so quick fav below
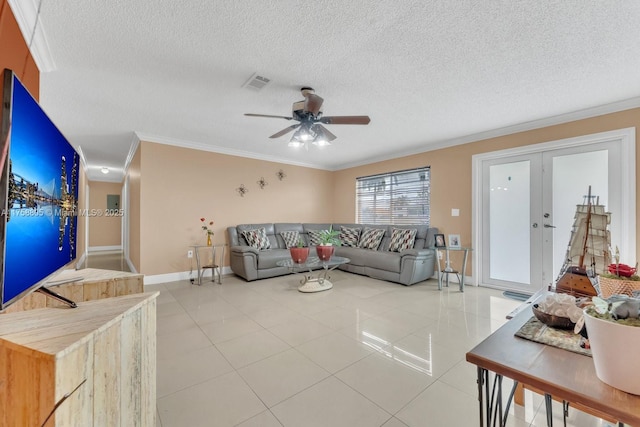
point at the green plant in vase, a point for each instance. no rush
(328, 239)
(299, 253)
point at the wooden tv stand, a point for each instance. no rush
(93, 284)
(101, 354)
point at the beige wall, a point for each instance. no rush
(451, 170)
(81, 227)
(105, 229)
(133, 208)
(179, 186)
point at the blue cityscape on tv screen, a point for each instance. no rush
(42, 198)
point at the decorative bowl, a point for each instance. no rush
(552, 320)
(623, 270)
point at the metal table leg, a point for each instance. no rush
(490, 403)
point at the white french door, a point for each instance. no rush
(525, 200)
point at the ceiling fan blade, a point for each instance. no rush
(267, 115)
(325, 132)
(345, 120)
(284, 131)
(313, 103)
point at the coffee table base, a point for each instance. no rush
(316, 286)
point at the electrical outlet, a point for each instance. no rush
(189, 254)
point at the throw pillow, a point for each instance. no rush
(402, 239)
(290, 238)
(371, 238)
(257, 238)
(349, 236)
(314, 237)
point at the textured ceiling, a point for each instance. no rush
(428, 73)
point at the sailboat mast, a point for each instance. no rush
(588, 227)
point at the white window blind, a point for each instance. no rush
(398, 198)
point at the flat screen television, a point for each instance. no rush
(39, 192)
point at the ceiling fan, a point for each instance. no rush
(310, 129)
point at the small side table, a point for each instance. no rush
(215, 265)
(450, 270)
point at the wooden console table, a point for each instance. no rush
(556, 373)
(94, 364)
(94, 284)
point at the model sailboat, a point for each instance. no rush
(588, 251)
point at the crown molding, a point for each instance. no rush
(221, 150)
(26, 13)
(586, 113)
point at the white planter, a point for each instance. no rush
(615, 350)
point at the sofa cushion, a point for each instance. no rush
(349, 236)
(314, 237)
(290, 238)
(257, 238)
(371, 238)
(402, 239)
(270, 258)
(359, 257)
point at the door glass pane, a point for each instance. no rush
(572, 176)
(509, 213)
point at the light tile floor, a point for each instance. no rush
(365, 353)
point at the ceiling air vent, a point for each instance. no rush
(256, 82)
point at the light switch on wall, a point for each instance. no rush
(455, 212)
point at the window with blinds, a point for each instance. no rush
(398, 198)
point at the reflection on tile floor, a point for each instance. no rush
(107, 260)
(365, 353)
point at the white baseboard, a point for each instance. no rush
(176, 277)
(105, 249)
(81, 261)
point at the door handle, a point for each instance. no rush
(549, 226)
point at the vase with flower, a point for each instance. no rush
(207, 228)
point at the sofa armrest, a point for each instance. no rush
(418, 253)
(244, 249)
(244, 261)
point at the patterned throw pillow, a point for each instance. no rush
(402, 239)
(314, 237)
(257, 238)
(371, 238)
(290, 238)
(349, 236)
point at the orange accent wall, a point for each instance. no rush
(14, 53)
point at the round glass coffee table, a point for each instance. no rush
(314, 281)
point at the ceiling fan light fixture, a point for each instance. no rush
(295, 144)
(304, 134)
(319, 142)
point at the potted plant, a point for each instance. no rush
(613, 328)
(621, 279)
(299, 254)
(328, 239)
(207, 229)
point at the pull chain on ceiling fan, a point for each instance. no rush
(310, 129)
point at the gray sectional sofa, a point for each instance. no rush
(407, 267)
